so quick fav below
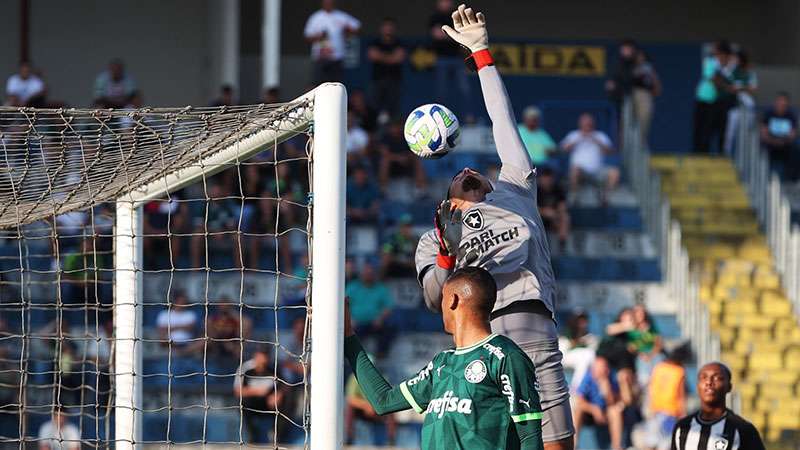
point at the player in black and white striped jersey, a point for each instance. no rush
(715, 427)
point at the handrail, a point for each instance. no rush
(771, 203)
(683, 284)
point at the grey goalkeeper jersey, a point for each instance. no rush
(504, 233)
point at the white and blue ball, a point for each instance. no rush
(432, 130)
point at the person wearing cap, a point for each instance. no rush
(397, 258)
(536, 139)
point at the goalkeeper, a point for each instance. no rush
(480, 395)
(499, 228)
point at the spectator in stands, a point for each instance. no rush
(69, 367)
(357, 138)
(25, 88)
(646, 341)
(271, 95)
(255, 384)
(646, 87)
(617, 349)
(357, 407)
(744, 85)
(620, 85)
(58, 433)
(80, 288)
(552, 202)
(214, 224)
(397, 162)
(667, 398)
(397, 256)
(387, 55)
(710, 110)
(177, 326)
(114, 86)
(578, 346)
(587, 148)
(363, 198)
(225, 97)
(163, 218)
(779, 135)
(537, 141)
(327, 30)
(449, 68)
(597, 402)
(10, 376)
(367, 115)
(228, 329)
(371, 304)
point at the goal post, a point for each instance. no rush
(327, 287)
(163, 151)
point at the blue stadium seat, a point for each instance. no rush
(611, 218)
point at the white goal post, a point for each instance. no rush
(324, 112)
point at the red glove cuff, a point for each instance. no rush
(445, 262)
(482, 58)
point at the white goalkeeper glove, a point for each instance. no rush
(470, 29)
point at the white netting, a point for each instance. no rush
(225, 276)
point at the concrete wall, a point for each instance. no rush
(9, 36)
(166, 46)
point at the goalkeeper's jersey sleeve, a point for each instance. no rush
(476, 398)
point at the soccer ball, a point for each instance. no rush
(432, 131)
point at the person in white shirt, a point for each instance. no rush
(113, 87)
(588, 147)
(327, 30)
(177, 325)
(25, 88)
(59, 434)
(357, 138)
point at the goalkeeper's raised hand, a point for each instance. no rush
(448, 231)
(470, 29)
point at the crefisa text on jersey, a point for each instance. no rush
(488, 239)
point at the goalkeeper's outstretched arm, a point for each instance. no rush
(470, 31)
(509, 145)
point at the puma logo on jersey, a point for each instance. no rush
(449, 403)
(487, 240)
(527, 403)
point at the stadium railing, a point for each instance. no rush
(771, 201)
(681, 281)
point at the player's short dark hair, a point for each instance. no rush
(481, 283)
(725, 369)
(784, 94)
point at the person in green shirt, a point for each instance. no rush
(537, 141)
(479, 395)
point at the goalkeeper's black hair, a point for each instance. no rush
(481, 284)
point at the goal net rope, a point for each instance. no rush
(223, 298)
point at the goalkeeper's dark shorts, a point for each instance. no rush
(533, 329)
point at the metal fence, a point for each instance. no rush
(771, 201)
(681, 281)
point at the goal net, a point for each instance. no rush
(156, 280)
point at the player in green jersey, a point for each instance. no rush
(480, 395)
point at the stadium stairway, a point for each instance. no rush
(759, 335)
